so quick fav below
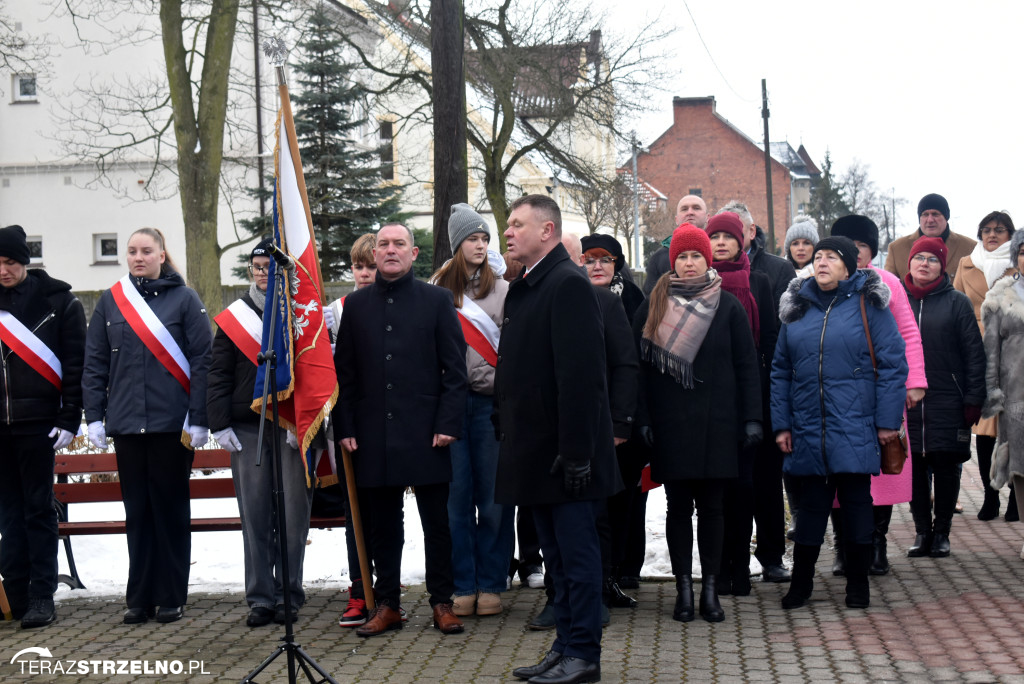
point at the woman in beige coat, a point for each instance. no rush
(976, 275)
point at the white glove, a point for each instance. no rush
(63, 438)
(97, 434)
(496, 262)
(228, 440)
(199, 435)
(329, 317)
(292, 440)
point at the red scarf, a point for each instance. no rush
(736, 281)
(917, 291)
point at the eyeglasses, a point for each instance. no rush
(922, 259)
(259, 269)
(998, 230)
(605, 260)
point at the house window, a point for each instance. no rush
(387, 150)
(695, 192)
(24, 87)
(104, 248)
(35, 249)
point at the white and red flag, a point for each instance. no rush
(307, 386)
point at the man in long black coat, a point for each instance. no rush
(554, 424)
(401, 362)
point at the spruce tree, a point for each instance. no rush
(827, 199)
(344, 182)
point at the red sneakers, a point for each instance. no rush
(355, 613)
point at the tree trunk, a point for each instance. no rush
(199, 133)
(451, 184)
(494, 186)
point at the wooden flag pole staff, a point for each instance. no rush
(357, 528)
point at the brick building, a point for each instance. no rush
(703, 154)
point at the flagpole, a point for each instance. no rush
(357, 528)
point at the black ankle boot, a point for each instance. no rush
(858, 591)
(710, 608)
(684, 599)
(922, 545)
(616, 597)
(989, 509)
(802, 583)
(1012, 514)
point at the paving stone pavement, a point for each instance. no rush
(954, 619)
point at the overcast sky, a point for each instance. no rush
(928, 94)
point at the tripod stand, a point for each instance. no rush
(296, 656)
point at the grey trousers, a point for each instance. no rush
(254, 486)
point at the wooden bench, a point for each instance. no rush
(221, 486)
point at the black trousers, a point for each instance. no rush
(769, 507)
(636, 536)
(568, 538)
(738, 511)
(529, 546)
(681, 495)
(154, 470)
(28, 520)
(945, 469)
(383, 525)
(632, 458)
(816, 496)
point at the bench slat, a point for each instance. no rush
(78, 464)
(95, 492)
(198, 525)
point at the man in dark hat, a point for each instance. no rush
(933, 217)
(235, 426)
(42, 343)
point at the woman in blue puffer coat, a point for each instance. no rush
(829, 411)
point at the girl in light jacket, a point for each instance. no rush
(482, 531)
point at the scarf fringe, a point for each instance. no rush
(678, 369)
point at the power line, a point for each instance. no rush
(715, 64)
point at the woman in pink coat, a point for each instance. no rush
(886, 490)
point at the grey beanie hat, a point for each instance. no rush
(801, 229)
(1015, 242)
(462, 223)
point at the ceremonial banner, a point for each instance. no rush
(307, 386)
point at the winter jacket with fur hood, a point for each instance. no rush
(955, 363)
(823, 386)
(1003, 317)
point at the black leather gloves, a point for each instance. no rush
(575, 475)
(752, 434)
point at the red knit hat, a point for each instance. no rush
(689, 237)
(933, 245)
(726, 222)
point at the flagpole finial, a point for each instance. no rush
(277, 53)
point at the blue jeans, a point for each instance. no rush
(483, 534)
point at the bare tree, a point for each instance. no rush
(173, 125)
(863, 197)
(20, 52)
(542, 75)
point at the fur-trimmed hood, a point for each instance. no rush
(1002, 297)
(802, 293)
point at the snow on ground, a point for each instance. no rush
(217, 563)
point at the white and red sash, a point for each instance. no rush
(30, 348)
(480, 331)
(151, 330)
(243, 326)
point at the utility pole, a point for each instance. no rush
(768, 168)
(259, 104)
(451, 184)
(636, 208)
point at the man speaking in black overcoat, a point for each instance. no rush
(554, 424)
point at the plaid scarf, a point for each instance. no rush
(682, 329)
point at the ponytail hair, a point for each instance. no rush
(168, 266)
